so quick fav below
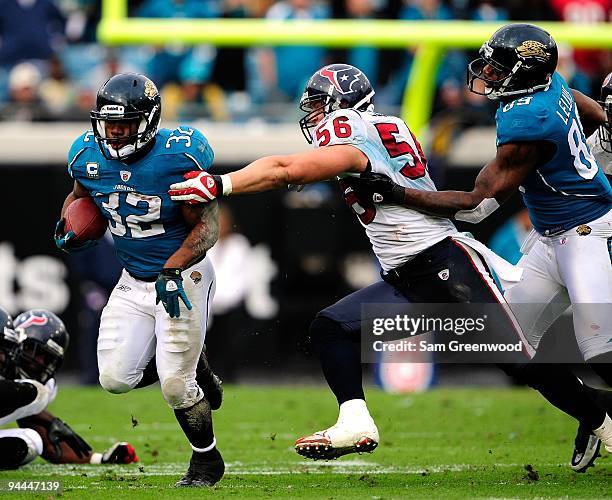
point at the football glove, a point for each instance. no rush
(198, 187)
(59, 431)
(379, 188)
(66, 242)
(169, 287)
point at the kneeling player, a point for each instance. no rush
(31, 351)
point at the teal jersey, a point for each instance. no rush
(147, 226)
(570, 189)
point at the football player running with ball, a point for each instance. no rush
(414, 249)
(125, 164)
(542, 152)
(32, 349)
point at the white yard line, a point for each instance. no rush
(240, 469)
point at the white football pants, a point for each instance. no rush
(575, 268)
(133, 328)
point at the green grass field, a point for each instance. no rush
(447, 443)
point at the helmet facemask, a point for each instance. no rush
(605, 129)
(9, 351)
(501, 82)
(39, 361)
(316, 107)
(134, 141)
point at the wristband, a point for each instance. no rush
(226, 183)
(96, 458)
(171, 272)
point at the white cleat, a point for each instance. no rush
(604, 432)
(338, 440)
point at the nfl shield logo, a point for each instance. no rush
(125, 175)
(444, 274)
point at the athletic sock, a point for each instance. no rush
(562, 389)
(602, 365)
(340, 359)
(601, 396)
(196, 422)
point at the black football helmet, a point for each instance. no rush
(44, 341)
(605, 100)
(333, 87)
(519, 59)
(126, 97)
(9, 345)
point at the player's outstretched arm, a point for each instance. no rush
(591, 113)
(204, 219)
(271, 172)
(61, 445)
(494, 185)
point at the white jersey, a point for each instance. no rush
(396, 233)
(604, 158)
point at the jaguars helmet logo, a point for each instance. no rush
(532, 48)
(196, 277)
(150, 90)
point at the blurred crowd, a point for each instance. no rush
(51, 65)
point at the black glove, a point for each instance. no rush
(378, 188)
(59, 431)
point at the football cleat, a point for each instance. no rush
(205, 469)
(337, 441)
(586, 449)
(211, 384)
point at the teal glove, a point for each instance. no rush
(169, 287)
(66, 242)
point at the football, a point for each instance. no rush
(85, 219)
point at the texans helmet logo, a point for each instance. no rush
(34, 320)
(342, 79)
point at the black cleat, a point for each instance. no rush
(205, 470)
(586, 449)
(211, 384)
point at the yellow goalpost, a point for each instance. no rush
(430, 39)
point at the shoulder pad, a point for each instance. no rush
(190, 143)
(83, 142)
(523, 119)
(344, 126)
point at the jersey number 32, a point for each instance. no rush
(135, 225)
